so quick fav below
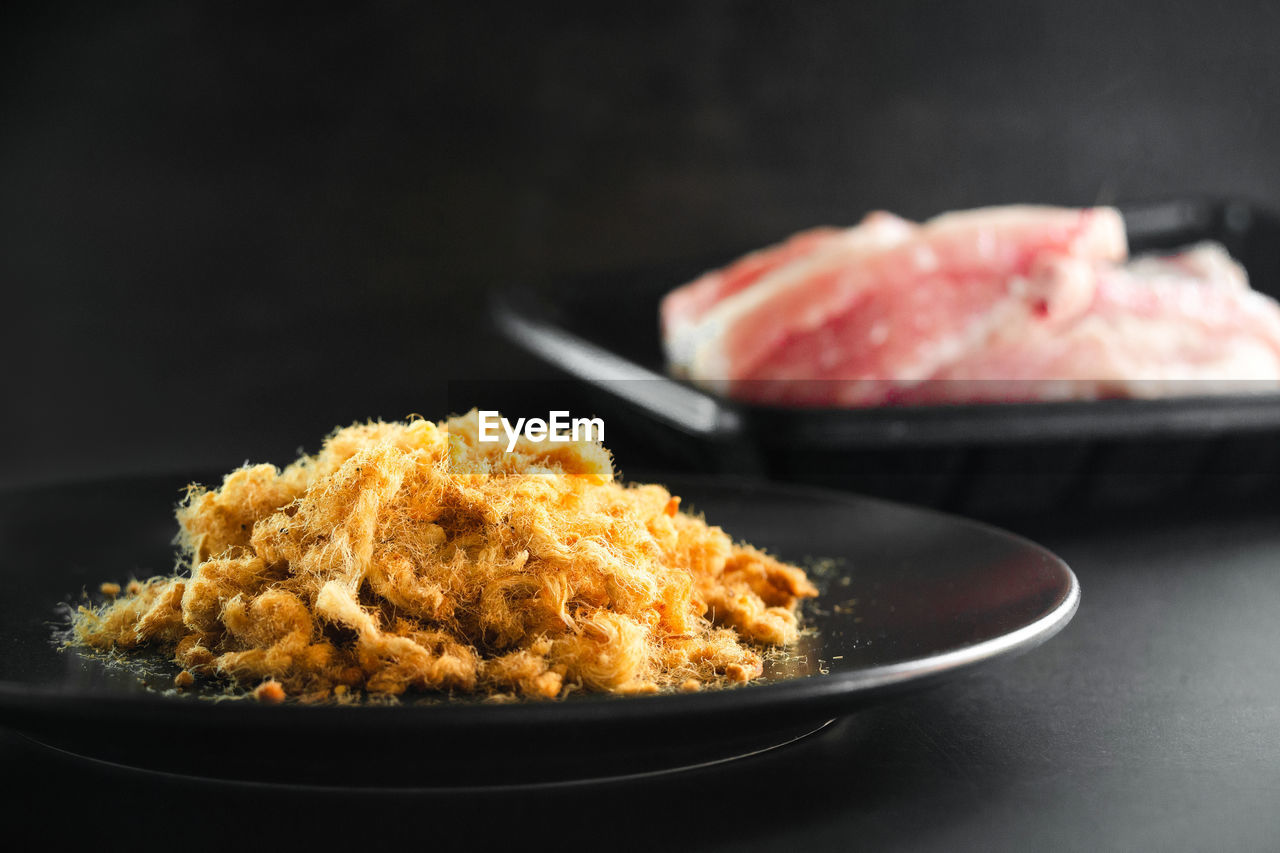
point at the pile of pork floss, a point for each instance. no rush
(411, 557)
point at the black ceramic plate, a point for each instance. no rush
(909, 596)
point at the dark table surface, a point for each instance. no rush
(1149, 723)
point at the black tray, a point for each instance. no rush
(985, 459)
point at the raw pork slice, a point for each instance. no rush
(687, 313)
(1038, 298)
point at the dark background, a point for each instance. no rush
(224, 230)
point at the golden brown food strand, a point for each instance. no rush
(412, 557)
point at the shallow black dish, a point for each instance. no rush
(911, 596)
(985, 459)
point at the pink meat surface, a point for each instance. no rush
(1158, 326)
(993, 304)
(684, 307)
(689, 313)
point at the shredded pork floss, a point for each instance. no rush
(411, 557)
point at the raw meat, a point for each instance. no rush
(992, 304)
